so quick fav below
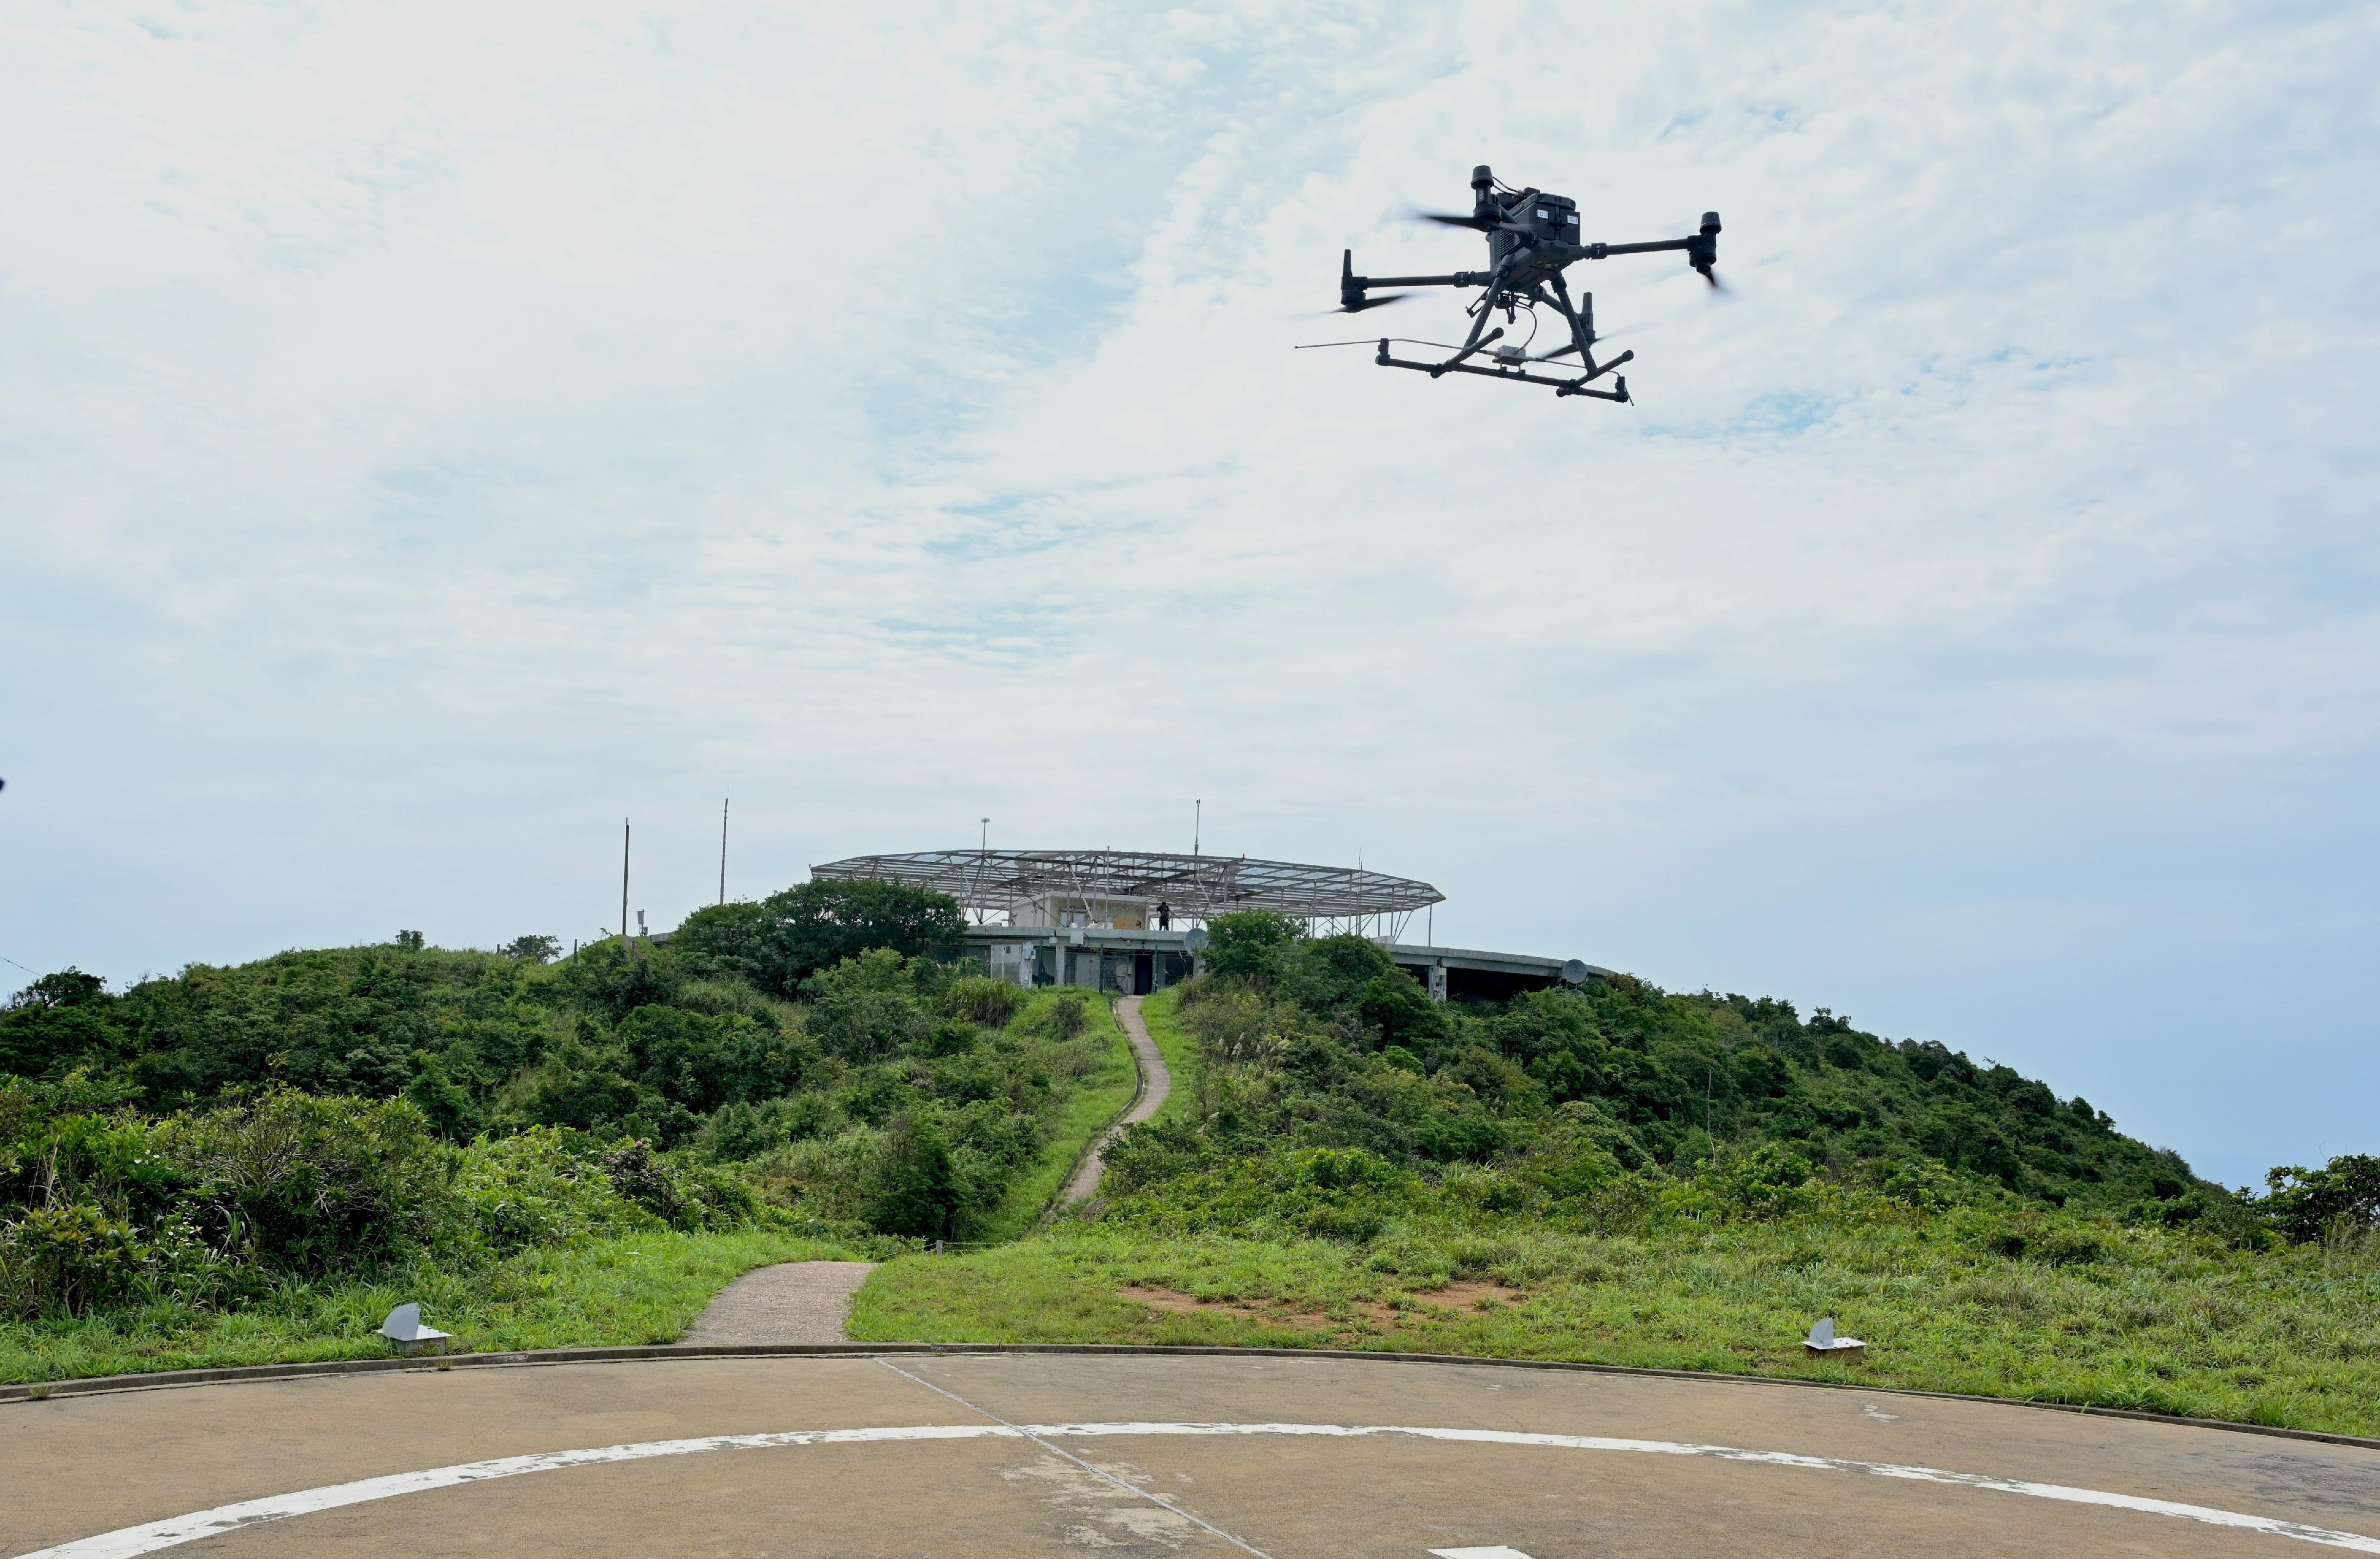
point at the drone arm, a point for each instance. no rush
(1460, 279)
(1701, 249)
(1601, 251)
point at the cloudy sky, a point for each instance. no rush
(432, 433)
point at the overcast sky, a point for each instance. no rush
(432, 433)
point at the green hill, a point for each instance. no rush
(236, 1164)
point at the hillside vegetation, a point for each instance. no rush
(231, 1165)
(1636, 1177)
(239, 1151)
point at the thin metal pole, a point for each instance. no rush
(722, 849)
(624, 885)
(1197, 822)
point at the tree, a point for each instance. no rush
(1396, 1005)
(1334, 973)
(537, 949)
(912, 1186)
(1249, 944)
(789, 936)
(2308, 1203)
(57, 1021)
(411, 941)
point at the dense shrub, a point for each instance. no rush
(2306, 1205)
(1329, 1193)
(213, 1136)
(68, 1257)
(542, 1187)
(986, 1002)
(294, 1183)
(913, 1186)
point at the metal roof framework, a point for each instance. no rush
(1330, 900)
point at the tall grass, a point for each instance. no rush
(638, 1288)
(2153, 1321)
(1099, 1095)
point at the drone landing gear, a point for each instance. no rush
(1561, 387)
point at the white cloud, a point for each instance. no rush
(435, 429)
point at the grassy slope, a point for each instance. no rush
(2163, 1323)
(1161, 1014)
(639, 1288)
(1095, 1100)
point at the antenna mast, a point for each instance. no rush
(624, 885)
(722, 849)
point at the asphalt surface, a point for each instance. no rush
(1156, 1085)
(990, 1455)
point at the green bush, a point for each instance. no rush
(1329, 1193)
(292, 1183)
(2308, 1204)
(986, 1002)
(1250, 945)
(913, 1186)
(67, 1259)
(542, 1187)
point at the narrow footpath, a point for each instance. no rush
(811, 1301)
(1156, 1083)
(791, 1302)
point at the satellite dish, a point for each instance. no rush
(1194, 939)
(1575, 972)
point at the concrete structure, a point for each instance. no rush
(1132, 922)
(1000, 1455)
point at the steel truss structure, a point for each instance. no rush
(1330, 900)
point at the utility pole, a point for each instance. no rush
(624, 885)
(722, 849)
(982, 871)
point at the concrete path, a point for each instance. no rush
(793, 1302)
(1156, 1083)
(1124, 1456)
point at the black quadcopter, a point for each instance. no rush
(1531, 236)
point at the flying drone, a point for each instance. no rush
(1532, 239)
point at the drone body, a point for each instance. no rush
(1532, 239)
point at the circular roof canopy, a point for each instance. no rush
(1195, 887)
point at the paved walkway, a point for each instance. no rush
(1156, 1083)
(793, 1302)
(1134, 1456)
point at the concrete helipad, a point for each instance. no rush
(1119, 1455)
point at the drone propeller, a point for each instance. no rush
(1371, 300)
(1453, 219)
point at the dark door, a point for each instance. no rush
(1144, 973)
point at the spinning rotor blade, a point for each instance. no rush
(1370, 302)
(1452, 219)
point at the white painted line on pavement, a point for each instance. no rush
(1133, 1489)
(128, 1543)
(1499, 1551)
